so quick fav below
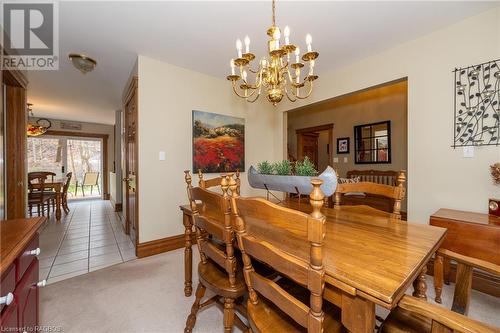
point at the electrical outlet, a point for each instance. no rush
(162, 156)
(335, 160)
(468, 152)
(345, 159)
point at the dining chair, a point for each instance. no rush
(64, 194)
(217, 270)
(274, 235)
(396, 193)
(416, 315)
(38, 194)
(89, 179)
(214, 182)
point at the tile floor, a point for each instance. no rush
(89, 238)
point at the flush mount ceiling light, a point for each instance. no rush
(82, 62)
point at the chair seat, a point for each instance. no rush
(35, 198)
(214, 278)
(266, 317)
(400, 321)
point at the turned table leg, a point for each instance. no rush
(438, 277)
(188, 256)
(58, 205)
(420, 286)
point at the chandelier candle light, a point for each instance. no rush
(279, 73)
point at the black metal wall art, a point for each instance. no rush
(477, 105)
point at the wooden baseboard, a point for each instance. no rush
(481, 281)
(118, 207)
(159, 246)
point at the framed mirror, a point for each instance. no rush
(372, 143)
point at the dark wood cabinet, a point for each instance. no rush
(19, 274)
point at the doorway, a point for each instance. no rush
(62, 154)
(315, 144)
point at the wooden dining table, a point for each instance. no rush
(369, 258)
(57, 186)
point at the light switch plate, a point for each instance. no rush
(335, 160)
(162, 156)
(345, 159)
(468, 152)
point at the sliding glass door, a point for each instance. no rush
(81, 156)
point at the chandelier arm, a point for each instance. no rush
(253, 100)
(293, 100)
(237, 94)
(308, 93)
(254, 90)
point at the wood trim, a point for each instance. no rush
(118, 207)
(160, 245)
(481, 281)
(104, 137)
(15, 78)
(315, 128)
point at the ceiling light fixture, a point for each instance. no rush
(279, 72)
(82, 62)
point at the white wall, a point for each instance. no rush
(167, 96)
(438, 175)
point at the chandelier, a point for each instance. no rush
(41, 126)
(278, 73)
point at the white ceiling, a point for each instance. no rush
(201, 36)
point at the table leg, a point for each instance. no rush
(438, 277)
(446, 270)
(420, 286)
(188, 256)
(358, 314)
(58, 205)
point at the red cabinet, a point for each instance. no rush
(21, 279)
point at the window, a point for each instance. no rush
(372, 143)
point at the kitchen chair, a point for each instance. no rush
(89, 179)
(294, 303)
(217, 269)
(38, 195)
(64, 194)
(416, 315)
(396, 193)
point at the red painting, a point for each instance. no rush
(218, 143)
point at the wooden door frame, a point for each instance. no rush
(303, 131)
(15, 122)
(131, 92)
(104, 138)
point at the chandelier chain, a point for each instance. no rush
(274, 13)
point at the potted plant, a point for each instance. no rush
(278, 177)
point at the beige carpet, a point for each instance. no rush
(147, 295)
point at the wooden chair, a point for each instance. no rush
(64, 194)
(285, 305)
(217, 269)
(89, 179)
(38, 195)
(416, 315)
(213, 182)
(45, 174)
(396, 193)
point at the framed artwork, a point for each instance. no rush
(343, 145)
(218, 143)
(372, 143)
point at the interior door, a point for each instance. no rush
(309, 147)
(130, 179)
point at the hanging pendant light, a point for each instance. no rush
(40, 127)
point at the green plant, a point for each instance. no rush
(305, 168)
(265, 168)
(283, 168)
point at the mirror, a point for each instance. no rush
(372, 143)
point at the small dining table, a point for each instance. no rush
(57, 186)
(369, 257)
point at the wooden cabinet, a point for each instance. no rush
(19, 274)
(474, 235)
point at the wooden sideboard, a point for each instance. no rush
(472, 234)
(19, 274)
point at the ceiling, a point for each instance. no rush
(201, 36)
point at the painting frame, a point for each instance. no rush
(343, 145)
(218, 142)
